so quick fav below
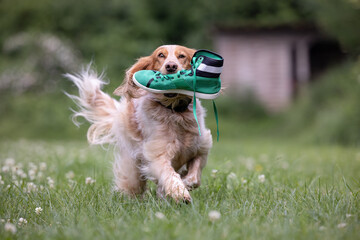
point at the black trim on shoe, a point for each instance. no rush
(212, 62)
(207, 74)
(149, 82)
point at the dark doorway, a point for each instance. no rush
(324, 54)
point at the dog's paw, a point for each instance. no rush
(191, 182)
(178, 192)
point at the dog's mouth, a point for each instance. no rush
(175, 102)
(182, 105)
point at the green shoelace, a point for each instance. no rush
(181, 72)
(214, 106)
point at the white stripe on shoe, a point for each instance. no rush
(210, 69)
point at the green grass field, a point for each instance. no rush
(309, 192)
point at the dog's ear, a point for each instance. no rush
(128, 87)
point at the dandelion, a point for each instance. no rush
(258, 168)
(214, 173)
(22, 221)
(341, 225)
(160, 215)
(9, 227)
(38, 210)
(261, 178)
(70, 175)
(89, 181)
(214, 216)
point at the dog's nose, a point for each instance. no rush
(171, 67)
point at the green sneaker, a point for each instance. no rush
(203, 79)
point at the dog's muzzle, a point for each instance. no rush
(182, 105)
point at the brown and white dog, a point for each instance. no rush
(155, 135)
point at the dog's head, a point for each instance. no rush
(166, 59)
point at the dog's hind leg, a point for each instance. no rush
(127, 175)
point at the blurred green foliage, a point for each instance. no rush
(114, 33)
(328, 111)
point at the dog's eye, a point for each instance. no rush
(161, 55)
(181, 56)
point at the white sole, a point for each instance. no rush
(179, 91)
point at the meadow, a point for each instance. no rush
(252, 188)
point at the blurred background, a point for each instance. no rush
(292, 68)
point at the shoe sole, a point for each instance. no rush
(179, 91)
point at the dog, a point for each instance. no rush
(155, 135)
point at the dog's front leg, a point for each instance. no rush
(169, 182)
(194, 168)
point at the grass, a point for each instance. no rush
(308, 191)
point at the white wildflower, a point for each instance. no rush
(21, 173)
(18, 183)
(214, 215)
(341, 225)
(32, 166)
(9, 227)
(32, 174)
(38, 210)
(243, 180)
(31, 187)
(232, 181)
(42, 166)
(71, 183)
(70, 175)
(160, 215)
(89, 180)
(40, 175)
(1, 181)
(214, 173)
(22, 221)
(5, 169)
(51, 182)
(10, 162)
(2, 220)
(348, 215)
(322, 228)
(261, 178)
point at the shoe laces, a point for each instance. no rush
(194, 109)
(159, 74)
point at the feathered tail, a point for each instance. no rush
(94, 105)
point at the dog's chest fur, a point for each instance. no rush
(176, 130)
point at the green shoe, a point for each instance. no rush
(203, 78)
(201, 81)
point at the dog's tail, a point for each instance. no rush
(94, 105)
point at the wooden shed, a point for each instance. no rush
(272, 63)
